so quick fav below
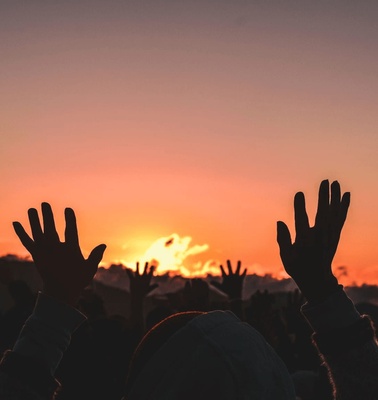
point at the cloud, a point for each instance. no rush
(171, 253)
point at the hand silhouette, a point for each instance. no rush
(232, 283)
(308, 260)
(140, 284)
(63, 269)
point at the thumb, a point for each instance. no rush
(284, 241)
(283, 235)
(96, 255)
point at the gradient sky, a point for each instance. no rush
(199, 118)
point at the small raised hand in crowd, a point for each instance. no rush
(140, 287)
(140, 283)
(232, 285)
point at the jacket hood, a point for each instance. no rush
(214, 356)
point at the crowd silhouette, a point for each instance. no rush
(311, 345)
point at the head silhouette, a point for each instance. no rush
(206, 356)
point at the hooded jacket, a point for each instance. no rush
(214, 356)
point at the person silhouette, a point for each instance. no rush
(345, 340)
(27, 372)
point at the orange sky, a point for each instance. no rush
(160, 117)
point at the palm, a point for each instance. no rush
(140, 284)
(232, 283)
(68, 260)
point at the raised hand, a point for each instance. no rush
(308, 260)
(63, 269)
(140, 284)
(232, 283)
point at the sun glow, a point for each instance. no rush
(176, 255)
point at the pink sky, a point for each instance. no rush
(161, 117)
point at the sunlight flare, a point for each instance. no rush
(172, 254)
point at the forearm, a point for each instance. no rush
(31, 365)
(347, 344)
(137, 315)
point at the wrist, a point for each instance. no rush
(47, 332)
(316, 292)
(68, 297)
(335, 312)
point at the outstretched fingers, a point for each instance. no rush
(48, 223)
(230, 272)
(151, 270)
(145, 271)
(335, 196)
(25, 239)
(339, 209)
(300, 215)
(70, 233)
(229, 267)
(323, 203)
(237, 271)
(35, 224)
(284, 241)
(95, 257)
(343, 211)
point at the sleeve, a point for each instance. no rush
(347, 344)
(27, 372)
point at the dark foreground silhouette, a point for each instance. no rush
(69, 348)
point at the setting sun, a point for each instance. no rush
(176, 255)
